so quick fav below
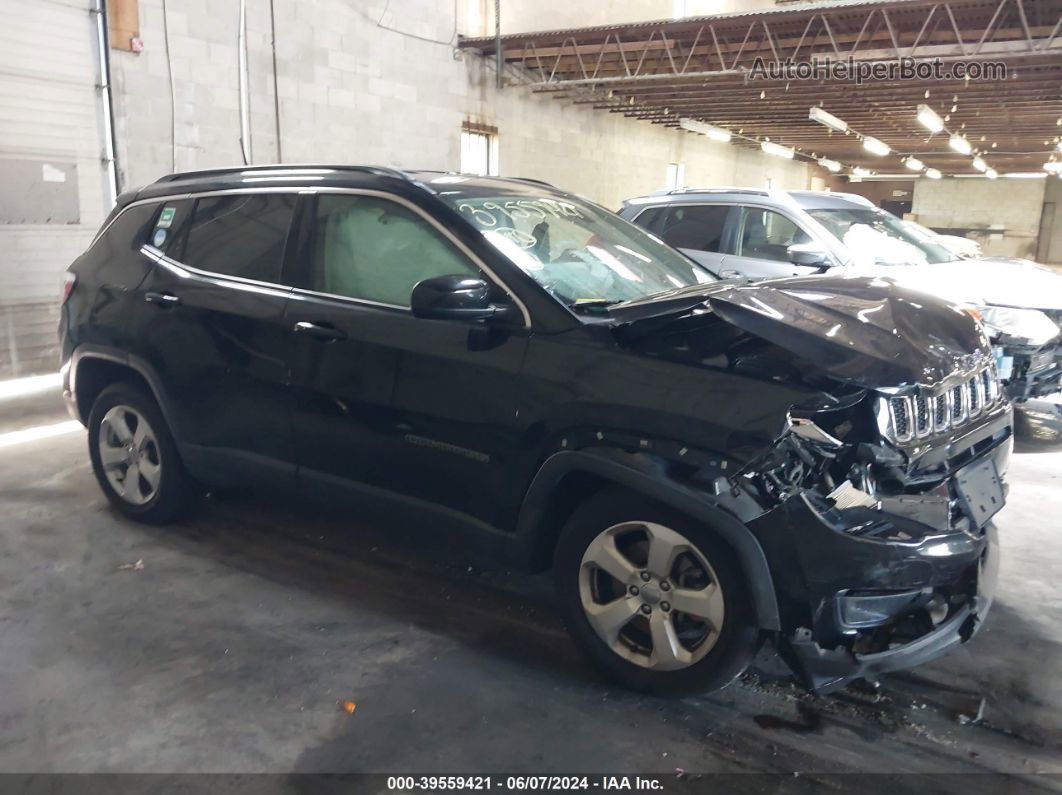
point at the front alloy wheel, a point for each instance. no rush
(651, 595)
(654, 597)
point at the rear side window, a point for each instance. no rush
(240, 235)
(697, 227)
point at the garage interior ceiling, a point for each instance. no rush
(700, 68)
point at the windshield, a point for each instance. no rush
(875, 237)
(581, 253)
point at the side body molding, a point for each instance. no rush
(636, 473)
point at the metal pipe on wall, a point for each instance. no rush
(276, 88)
(103, 87)
(499, 60)
(245, 99)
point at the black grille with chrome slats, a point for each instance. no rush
(924, 415)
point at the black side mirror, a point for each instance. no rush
(454, 297)
(807, 254)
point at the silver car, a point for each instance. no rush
(743, 232)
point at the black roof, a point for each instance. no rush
(336, 175)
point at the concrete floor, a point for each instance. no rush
(232, 646)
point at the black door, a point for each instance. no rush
(424, 409)
(210, 327)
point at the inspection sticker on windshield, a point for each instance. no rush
(980, 491)
(166, 218)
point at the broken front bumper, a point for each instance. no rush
(826, 669)
(1028, 371)
(865, 591)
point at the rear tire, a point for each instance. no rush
(134, 456)
(625, 562)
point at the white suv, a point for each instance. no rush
(743, 232)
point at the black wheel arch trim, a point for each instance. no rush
(134, 363)
(615, 466)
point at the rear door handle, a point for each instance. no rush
(163, 299)
(322, 332)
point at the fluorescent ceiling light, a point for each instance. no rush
(1026, 175)
(1054, 166)
(914, 164)
(877, 176)
(933, 173)
(831, 121)
(979, 164)
(777, 150)
(875, 147)
(992, 173)
(830, 165)
(859, 171)
(929, 119)
(713, 132)
(960, 144)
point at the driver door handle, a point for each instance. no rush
(163, 299)
(322, 332)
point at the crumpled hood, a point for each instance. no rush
(867, 331)
(988, 281)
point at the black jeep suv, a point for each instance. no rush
(704, 463)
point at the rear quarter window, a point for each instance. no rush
(115, 258)
(651, 219)
(170, 228)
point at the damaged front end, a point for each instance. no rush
(885, 503)
(874, 503)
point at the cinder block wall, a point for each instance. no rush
(1013, 206)
(52, 179)
(382, 85)
(516, 17)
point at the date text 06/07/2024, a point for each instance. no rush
(523, 783)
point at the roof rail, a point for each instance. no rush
(750, 191)
(385, 171)
(535, 181)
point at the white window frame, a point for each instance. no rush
(479, 152)
(675, 176)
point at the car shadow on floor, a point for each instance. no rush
(409, 571)
(413, 574)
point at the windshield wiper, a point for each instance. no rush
(594, 304)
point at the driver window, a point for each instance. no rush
(699, 227)
(766, 234)
(376, 250)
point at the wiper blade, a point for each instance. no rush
(594, 303)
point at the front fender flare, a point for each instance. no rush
(638, 474)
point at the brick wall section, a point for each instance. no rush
(49, 115)
(1011, 204)
(353, 91)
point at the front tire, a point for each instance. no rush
(134, 457)
(654, 598)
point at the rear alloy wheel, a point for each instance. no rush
(134, 457)
(655, 598)
(130, 455)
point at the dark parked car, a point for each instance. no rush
(703, 463)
